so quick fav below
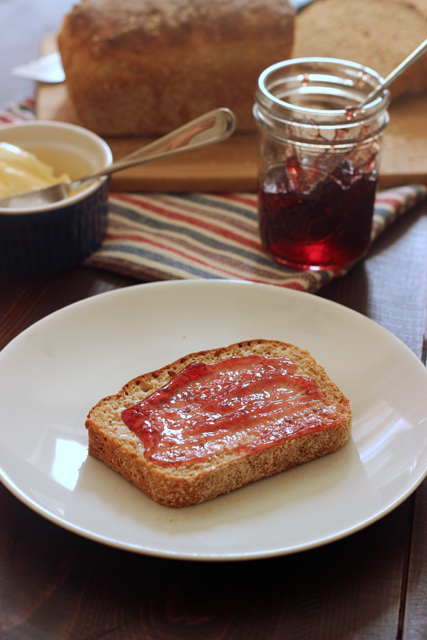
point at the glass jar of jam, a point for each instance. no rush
(318, 160)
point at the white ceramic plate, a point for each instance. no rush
(55, 371)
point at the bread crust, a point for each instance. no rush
(111, 441)
(143, 67)
(379, 34)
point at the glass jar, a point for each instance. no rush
(318, 160)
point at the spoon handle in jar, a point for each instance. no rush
(403, 66)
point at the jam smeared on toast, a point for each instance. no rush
(240, 405)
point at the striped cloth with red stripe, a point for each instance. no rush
(196, 235)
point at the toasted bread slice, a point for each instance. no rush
(209, 461)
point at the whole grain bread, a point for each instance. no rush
(379, 34)
(140, 67)
(111, 441)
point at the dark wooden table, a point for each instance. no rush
(56, 585)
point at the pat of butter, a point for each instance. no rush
(22, 171)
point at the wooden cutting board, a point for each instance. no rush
(232, 165)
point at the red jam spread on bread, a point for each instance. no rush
(239, 405)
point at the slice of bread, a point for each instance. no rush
(379, 34)
(191, 480)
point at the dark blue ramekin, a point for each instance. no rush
(60, 236)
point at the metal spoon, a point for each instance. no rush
(210, 128)
(403, 66)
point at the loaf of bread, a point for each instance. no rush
(379, 34)
(140, 67)
(215, 420)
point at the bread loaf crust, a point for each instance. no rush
(111, 441)
(141, 67)
(379, 34)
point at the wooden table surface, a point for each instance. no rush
(56, 585)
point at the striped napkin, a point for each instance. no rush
(193, 235)
(179, 236)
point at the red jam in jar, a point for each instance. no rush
(238, 405)
(325, 228)
(318, 160)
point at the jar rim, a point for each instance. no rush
(315, 77)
